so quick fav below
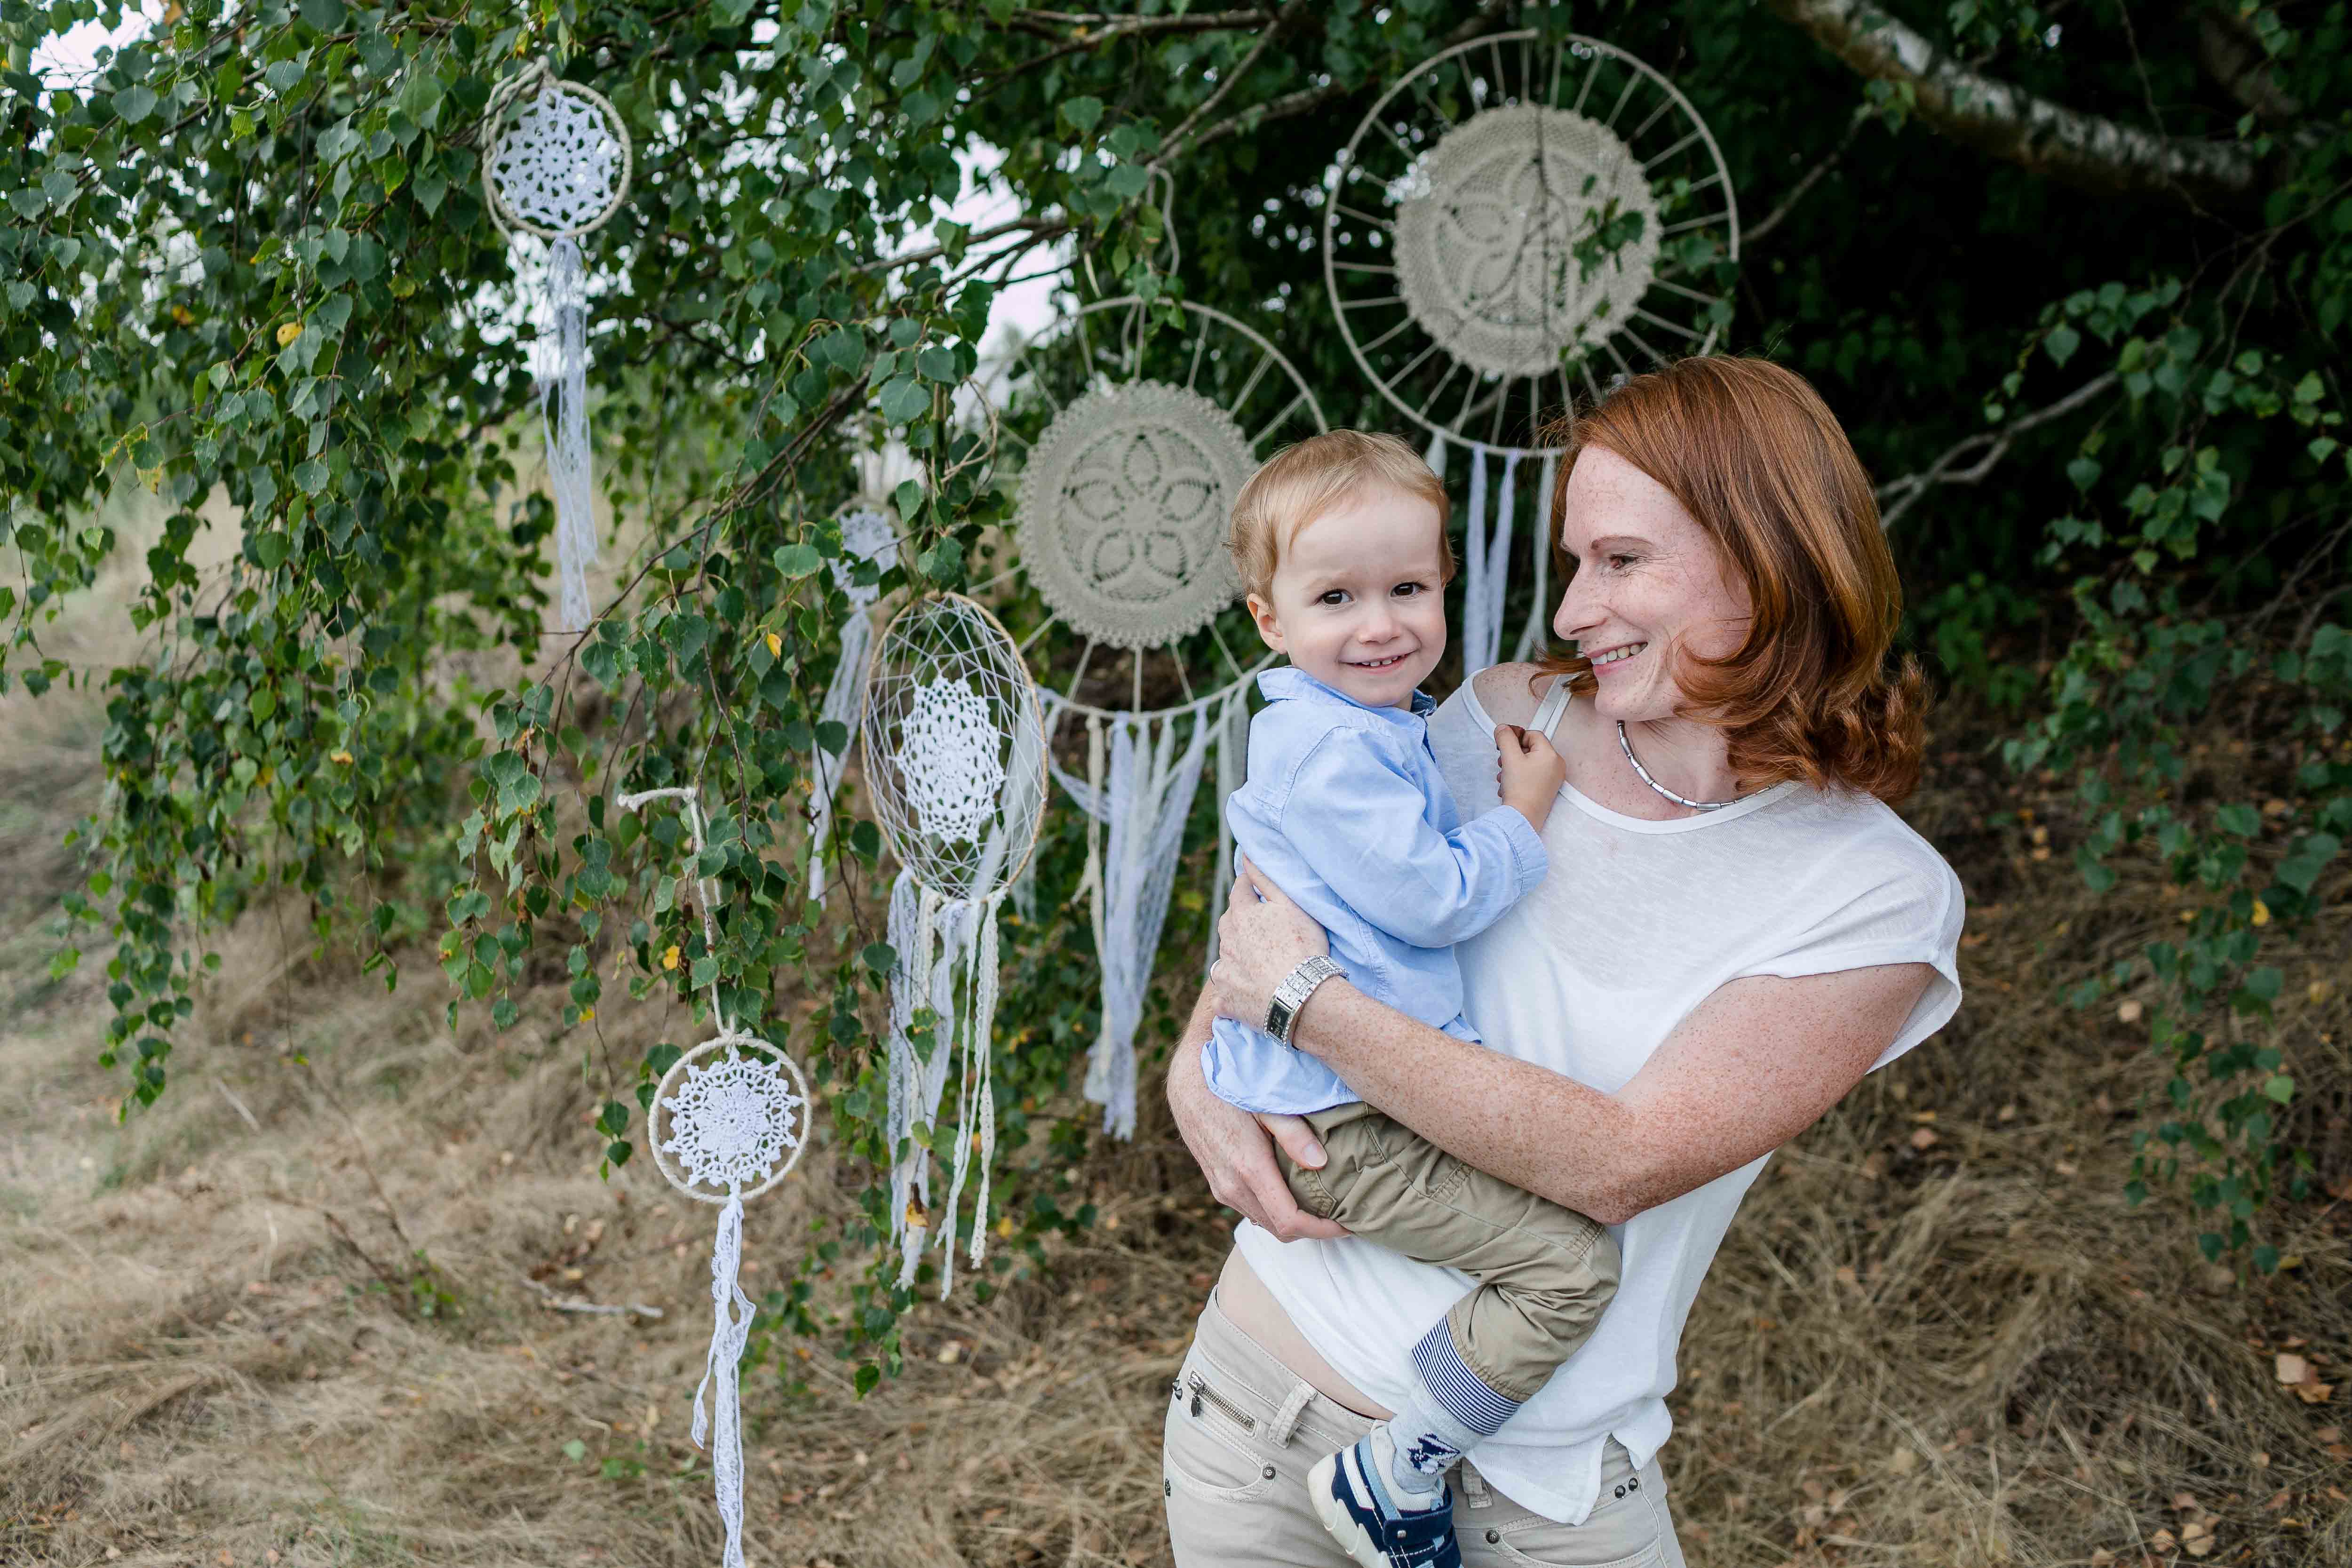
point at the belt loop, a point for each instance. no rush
(1474, 1486)
(1285, 1419)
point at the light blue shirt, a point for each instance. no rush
(1346, 811)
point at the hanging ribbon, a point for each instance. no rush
(1533, 636)
(843, 702)
(565, 384)
(731, 1333)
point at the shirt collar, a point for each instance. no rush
(1286, 681)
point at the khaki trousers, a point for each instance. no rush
(1544, 1272)
(1243, 1428)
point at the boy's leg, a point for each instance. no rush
(1544, 1275)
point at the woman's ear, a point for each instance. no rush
(1269, 624)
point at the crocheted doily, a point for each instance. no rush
(561, 164)
(866, 535)
(948, 756)
(1123, 512)
(1487, 240)
(733, 1121)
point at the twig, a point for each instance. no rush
(1773, 220)
(236, 1104)
(1174, 146)
(1906, 491)
(554, 1303)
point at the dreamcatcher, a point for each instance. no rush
(1124, 502)
(1521, 215)
(954, 750)
(728, 1121)
(556, 163)
(867, 537)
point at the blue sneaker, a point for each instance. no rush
(1371, 1523)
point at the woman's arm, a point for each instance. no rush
(1752, 1066)
(1233, 1147)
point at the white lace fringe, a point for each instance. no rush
(944, 947)
(845, 704)
(731, 1330)
(567, 431)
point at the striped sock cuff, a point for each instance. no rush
(1459, 1391)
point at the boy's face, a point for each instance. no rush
(1358, 599)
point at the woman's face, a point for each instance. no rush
(1647, 581)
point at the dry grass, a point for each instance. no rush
(1935, 1336)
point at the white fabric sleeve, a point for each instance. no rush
(1906, 909)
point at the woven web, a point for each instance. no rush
(866, 535)
(558, 167)
(1123, 512)
(954, 747)
(1487, 241)
(732, 1121)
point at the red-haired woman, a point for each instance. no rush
(1735, 927)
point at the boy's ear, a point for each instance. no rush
(1269, 626)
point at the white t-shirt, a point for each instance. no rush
(1790, 882)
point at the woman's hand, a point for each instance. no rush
(1261, 938)
(1235, 1151)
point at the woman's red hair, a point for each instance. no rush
(1757, 459)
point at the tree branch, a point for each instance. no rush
(1307, 99)
(1904, 492)
(1752, 238)
(2007, 122)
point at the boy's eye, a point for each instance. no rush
(1406, 590)
(1332, 596)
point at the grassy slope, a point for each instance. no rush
(1935, 1335)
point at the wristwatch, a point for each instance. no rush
(1282, 1012)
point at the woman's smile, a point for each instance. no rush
(1616, 656)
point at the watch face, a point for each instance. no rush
(1277, 1021)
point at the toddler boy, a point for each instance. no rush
(1340, 542)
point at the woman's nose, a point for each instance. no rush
(1579, 609)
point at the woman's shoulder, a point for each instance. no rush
(1863, 844)
(1496, 694)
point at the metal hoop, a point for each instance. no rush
(526, 87)
(1487, 412)
(733, 1041)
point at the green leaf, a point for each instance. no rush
(135, 103)
(271, 549)
(2062, 342)
(327, 15)
(311, 475)
(1082, 113)
(794, 562)
(904, 399)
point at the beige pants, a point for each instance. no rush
(1544, 1272)
(1243, 1428)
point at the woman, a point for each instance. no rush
(1735, 927)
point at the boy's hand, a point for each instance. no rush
(1532, 772)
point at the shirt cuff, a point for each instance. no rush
(1528, 857)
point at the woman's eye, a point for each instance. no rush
(1618, 563)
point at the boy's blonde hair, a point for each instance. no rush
(1302, 481)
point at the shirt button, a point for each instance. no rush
(1267, 1472)
(1168, 1489)
(1620, 1491)
(1493, 1536)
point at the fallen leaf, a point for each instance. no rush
(1923, 1138)
(2128, 1013)
(2290, 1369)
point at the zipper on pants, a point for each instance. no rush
(1201, 1390)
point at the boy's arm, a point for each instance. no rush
(1357, 820)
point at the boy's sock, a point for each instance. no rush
(1450, 1409)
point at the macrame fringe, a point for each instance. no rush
(566, 429)
(1534, 637)
(845, 703)
(947, 951)
(720, 1418)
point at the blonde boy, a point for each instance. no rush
(1340, 542)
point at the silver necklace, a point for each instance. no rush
(1627, 747)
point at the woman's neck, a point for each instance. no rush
(1692, 759)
